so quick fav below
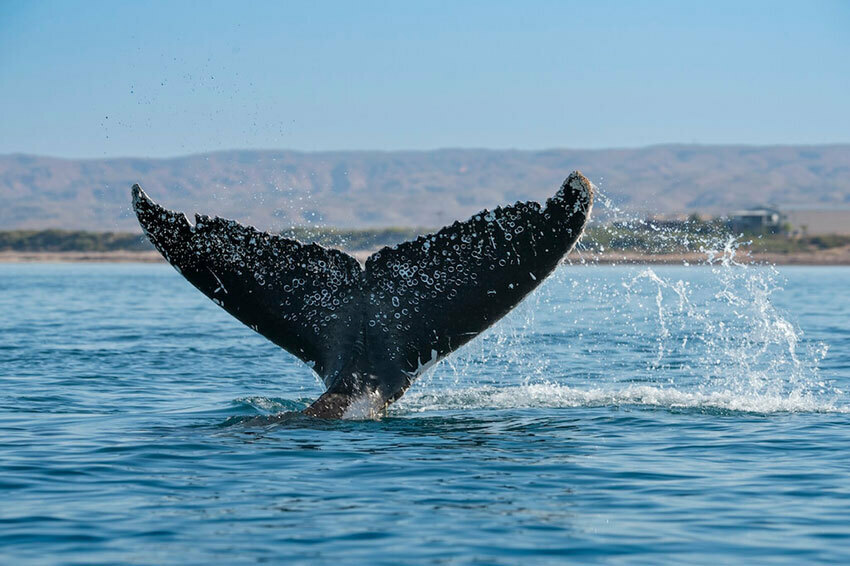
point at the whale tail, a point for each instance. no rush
(369, 333)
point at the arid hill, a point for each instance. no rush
(279, 189)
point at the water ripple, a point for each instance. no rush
(594, 425)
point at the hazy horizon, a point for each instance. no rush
(427, 150)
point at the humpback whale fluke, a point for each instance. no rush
(369, 333)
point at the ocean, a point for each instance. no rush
(620, 415)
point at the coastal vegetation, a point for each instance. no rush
(645, 237)
(71, 241)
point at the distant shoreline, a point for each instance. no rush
(831, 256)
(622, 244)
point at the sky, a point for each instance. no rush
(158, 79)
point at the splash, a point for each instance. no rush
(556, 396)
(705, 333)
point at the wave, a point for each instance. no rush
(271, 405)
(555, 396)
(268, 410)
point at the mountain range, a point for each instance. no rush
(279, 189)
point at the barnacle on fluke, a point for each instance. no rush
(369, 333)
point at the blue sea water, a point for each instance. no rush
(623, 415)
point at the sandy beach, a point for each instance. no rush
(832, 256)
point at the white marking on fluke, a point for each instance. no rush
(220, 284)
(422, 368)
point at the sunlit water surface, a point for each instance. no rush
(619, 415)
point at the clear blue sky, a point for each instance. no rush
(92, 79)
